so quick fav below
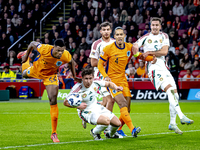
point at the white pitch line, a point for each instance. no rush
(44, 144)
(34, 113)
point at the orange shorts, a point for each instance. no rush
(126, 91)
(32, 72)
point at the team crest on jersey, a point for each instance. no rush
(114, 91)
(128, 53)
(95, 89)
(93, 53)
(160, 40)
(161, 79)
(149, 41)
(28, 72)
(102, 53)
(58, 63)
(156, 41)
(84, 95)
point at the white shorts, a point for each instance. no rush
(92, 116)
(161, 79)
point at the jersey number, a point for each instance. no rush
(116, 60)
(91, 97)
(155, 46)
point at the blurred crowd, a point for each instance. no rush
(180, 20)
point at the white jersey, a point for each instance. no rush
(96, 50)
(151, 42)
(88, 94)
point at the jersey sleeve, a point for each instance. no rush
(94, 51)
(165, 40)
(40, 47)
(66, 56)
(141, 41)
(75, 88)
(104, 53)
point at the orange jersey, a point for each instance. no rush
(117, 59)
(45, 63)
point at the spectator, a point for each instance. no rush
(82, 57)
(88, 8)
(189, 8)
(29, 22)
(140, 70)
(78, 17)
(137, 18)
(79, 37)
(102, 16)
(73, 49)
(188, 76)
(83, 25)
(160, 13)
(31, 6)
(192, 56)
(91, 16)
(89, 39)
(19, 6)
(194, 46)
(100, 8)
(178, 55)
(123, 17)
(12, 59)
(195, 66)
(23, 12)
(131, 74)
(82, 6)
(115, 14)
(69, 43)
(19, 73)
(147, 16)
(43, 7)
(170, 16)
(87, 63)
(120, 8)
(12, 11)
(182, 49)
(185, 63)
(154, 9)
(117, 23)
(96, 32)
(184, 40)
(15, 20)
(144, 8)
(166, 7)
(130, 66)
(52, 32)
(96, 20)
(72, 26)
(108, 10)
(178, 9)
(7, 73)
(3, 47)
(77, 29)
(83, 45)
(11, 35)
(60, 25)
(37, 15)
(63, 33)
(188, 23)
(73, 11)
(55, 37)
(173, 64)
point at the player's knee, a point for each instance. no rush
(53, 99)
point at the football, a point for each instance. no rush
(74, 99)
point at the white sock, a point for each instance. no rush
(172, 114)
(113, 130)
(99, 128)
(174, 102)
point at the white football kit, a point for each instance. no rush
(158, 72)
(93, 110)
(96, 50)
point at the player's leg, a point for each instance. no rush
(52, 91)
(110, 103)
(104, 101)
(123, 105)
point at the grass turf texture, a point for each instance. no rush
(27, 125)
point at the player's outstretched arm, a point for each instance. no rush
(31, 46)
(113, 86)
(71, 65)
(135, 48)
(161, 52)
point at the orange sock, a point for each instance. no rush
(54, 117)
(126, 118)
(122, 122)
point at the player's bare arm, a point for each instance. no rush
(31, 46)
(94, 62)
(135, 48)
(113, 86)
(161, 52)
(71, 65)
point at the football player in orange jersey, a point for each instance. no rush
(118, 54)
(45, 67)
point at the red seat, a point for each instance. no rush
(87, 52)
(141, 26)
(182, 73)
(195, 73)
(180, 32)
(183, 18)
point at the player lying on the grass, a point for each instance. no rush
(157, 43)
(89, 110)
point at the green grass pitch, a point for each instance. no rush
(27, 125)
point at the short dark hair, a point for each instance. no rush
(59, 42)
(105, 24)
(117, 28)
(87, 71)
(156, 19)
